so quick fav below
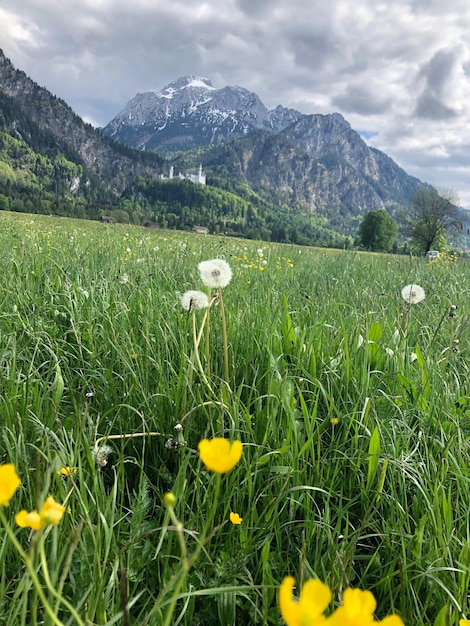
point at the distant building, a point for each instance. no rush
(152, 225)
(200, 230)
(195, 176)
(107, 219)
(433, 254)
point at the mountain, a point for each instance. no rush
(52, 162)
(318, 161)
(190, 112)
(46, 124)
(276, 175)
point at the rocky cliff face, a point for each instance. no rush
(331, 140)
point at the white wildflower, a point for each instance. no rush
(413, 294)
(215, 273)
(194, 300)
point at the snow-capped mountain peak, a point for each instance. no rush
(191, 112)
(186, 82)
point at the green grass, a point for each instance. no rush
(354, 414)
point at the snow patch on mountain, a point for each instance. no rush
(158, 119)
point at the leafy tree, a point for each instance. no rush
(4, 203)
(430, 218)
(378, 231)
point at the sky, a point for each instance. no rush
(398, 71)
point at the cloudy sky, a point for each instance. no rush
(399, 71)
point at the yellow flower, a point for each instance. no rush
(358, 610)
(464, 622)
(9, 483)
(51, 513)
(28, 520)
(308, 610)
(67, 471)
(220, 455)
(235, 518)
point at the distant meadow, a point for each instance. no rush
(249, 441)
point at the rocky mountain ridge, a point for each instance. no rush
(190, 112)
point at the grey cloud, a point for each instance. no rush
(437, 75)
(378, 63)
(258, 9)
(362, 99)
(428, 106)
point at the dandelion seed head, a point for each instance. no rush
(101, 455)
(215, 273)
(194, 300)
(413, 294)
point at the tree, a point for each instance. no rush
(4, 203)
(430, 218)
(378, 231)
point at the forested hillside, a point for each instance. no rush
(262, 185)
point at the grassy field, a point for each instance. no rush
(352, 405)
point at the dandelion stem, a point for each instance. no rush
(196, 340)
(224, 334)
(207, 343)
(126, 436)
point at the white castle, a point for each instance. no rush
(195, 176)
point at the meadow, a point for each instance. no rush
(352, 405)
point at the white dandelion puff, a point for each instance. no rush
(413, 294)
(215, 273)
(101, 455)
(194, 300)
